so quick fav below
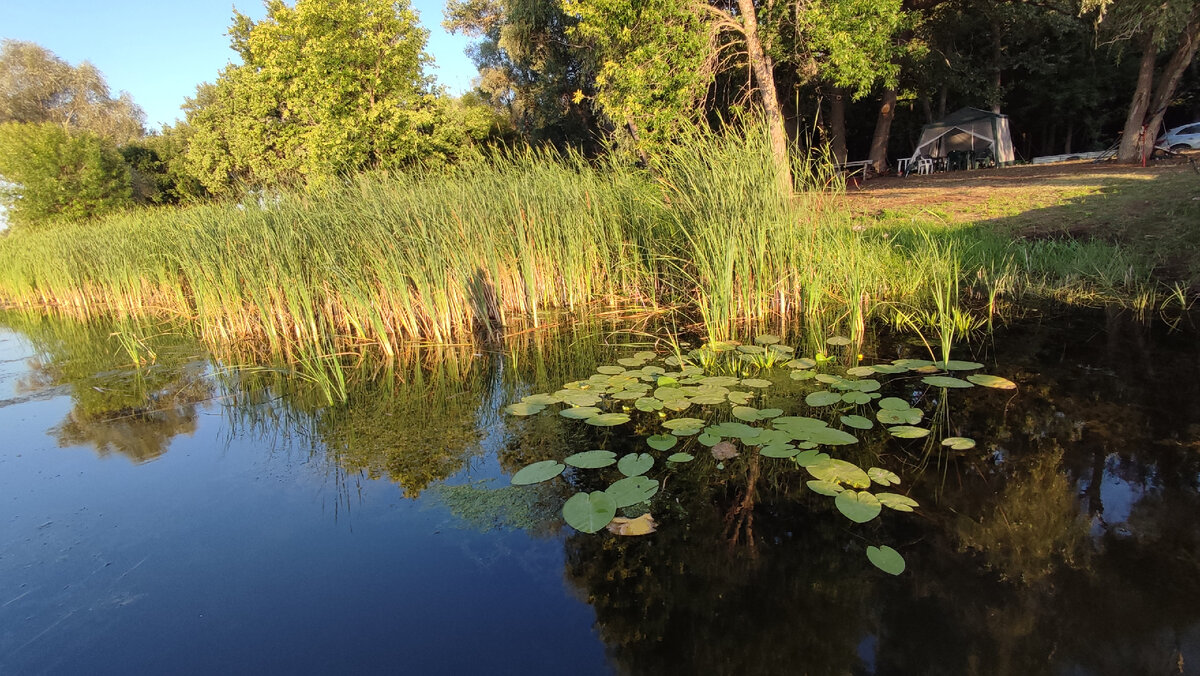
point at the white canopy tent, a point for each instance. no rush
(967, 129)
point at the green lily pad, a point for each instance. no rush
(680, 457)
(829, 436)
(739, 398)
(801, 363)
(591, 459)
(822, 398)
(662, 442)
(781, 349)
(766, 339)
(709, 440)
(608, 419)
(578, 398)
(686, 431)
(778, 451)
(912, 363)
(840, 471)
(677, 405)
(631, 362)
(766, 413)
(856, 398)
(632, 490)
(683, 422)
(610, 370)
(756, 382)
(883, 477)
(857, 422)
(751, 349)
(860, 371)
(544, 399)
(708, 399)
(802, 375)
(579, 412)
(810, 457)
(955, 365)
(945, 381)
(720, 381)
(589, 512)
(798, 422)
(537, 472)
(858, 506)
(908, 432)
(837, 340)
(634, 464)
(908, 416)
(628, 395)
(524, 408)
(669, 393)
(648, 404)
(746, 413)
(985, 380)
(893, 404)
(890, 369)
(886, 559)
(900, 503)
(959, 443)
(825, 488)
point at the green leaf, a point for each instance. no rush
(861, 371)
(608, 419)
(740, 398)
(886, 559)
(708, 439)
(610, 370)
(883, 477)
(959, 443)
(632, 490)
(840, 471)
(680, 457)
(589, 512)
(838, 340)
(537, 472)
(893, 404)
(524, 408)
(579, 398)
(955, 365)
(720, 381)
(810, 457)
(908, 416)
(633, 464)
(900, 503)
(682, 422)
(801, 363)
(912, 363)
(857, 422)
(945, 381)
(858, 506)
(631, 362)
(890, 369)
(766, 339)
(745, 413)
(829, 436)
(668, 393)
(662, 442)
(767, 413)
(822, 398)
(996, 382)
(802, 375)
(778, 451)
(648, 404)
(579, 412)
(856, 398)
(825, 488)
(591, 459)
(908, 432)
(756, 382)
(544, 399)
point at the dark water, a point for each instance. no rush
(187, 518)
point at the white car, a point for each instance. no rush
(1186, 137)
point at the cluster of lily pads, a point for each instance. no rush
(711, 377)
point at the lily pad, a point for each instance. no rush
(668, 393)
(781, 349)
(632, 490)
(720, 381)
(810, 457)
(634, 464)
(708, 439)
(829, 436)
(985, 380)
(608, 419)
(825, 488)
(740, 398)
(908, 432)
(751, 349)
(822, 398)
(648, 404)
(945, 381)
(840, 471)
(537, 472)
(860, 371)
(857, 422)
(610, 370)
(589, 512)
(959, 443)
(837, 340)
(544, 399)
(802, 375)
(766, 413)
(955, 365)
(524, 408)
(900, 503)
(890, 369)
(579, 412)
(591, 459)
(801, 363)
(778, 451)
(858, 506)
(680, 457)
(856, 398)
(578, 398)
(708, 399)
(662, 442)
(883, 477)
(766, 339)
(642, 525)
(631, 362)
(756, 382)
(746, 413)
(893, 404)
(908, 416)
(677, 405)
(912, 363)
(683, 422)
(886, 559)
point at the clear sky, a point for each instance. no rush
(158, 51)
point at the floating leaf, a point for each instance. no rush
(857, 422)
(707, 439)
(810, 457)
(708, 399)
(680, 457)
(577, 398)
(686, 431)
(591, 459)
(740, 398)
(959, 443)
(673, 361)
(642, 525)
(543, 399)
(840, 471)
(886, 559)
(829, 436)
(883, 477)
(858, 506)
(627, 395)
(677, 405)
(900, 503)
(837, 340)
(669, 393)
(579, 412)
(683, 422)
(802, 375)
(766, 339)
(893, 404)
(908, 416)
(945, 381)
(724, 451)
(745, 413)
(631, 362)
(778, 451)
(798, 422)
(856, 397)
(997, 382)
(781, 349)
(825, 488)
(751, 349)
(608, 419)
(632, 490)
(890, 369)
(908, 432)
(822, 398)
(610, 370)
(720, 381)
(648, 404)
(589, 512)
(524, 408)
(537, 472)
(860, 371)
(955, 365)
(645, 355)
(801, 363)
(912, 363)
(633, 464)
(766, 413)
(756, 382)
(662, 442)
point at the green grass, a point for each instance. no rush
(500, 244)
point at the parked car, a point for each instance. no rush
(1181, 138)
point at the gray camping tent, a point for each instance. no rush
(967, 129)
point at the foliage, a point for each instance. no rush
(55, 173)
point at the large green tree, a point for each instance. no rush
(325, 87)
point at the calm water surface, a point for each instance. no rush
(186, 518)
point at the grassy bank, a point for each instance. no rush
(494, 245)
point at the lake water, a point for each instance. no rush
(185, 517)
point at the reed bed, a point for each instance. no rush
(493, 245)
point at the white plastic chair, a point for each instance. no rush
(925, 166)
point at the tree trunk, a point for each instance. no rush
(837, 124)
(997, 57)
(764, 73)
(1070, 133)
(883, 130)
(1131, 147)
(941, 111)
(1169, 80)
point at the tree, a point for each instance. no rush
(37, 86)
(55, 173)
(325, 87)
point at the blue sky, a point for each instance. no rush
(159, 51)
